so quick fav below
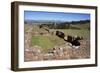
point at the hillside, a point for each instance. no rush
(41, 44)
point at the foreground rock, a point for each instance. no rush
(61, 52)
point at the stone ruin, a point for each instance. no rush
(63, 52)
(59, 52)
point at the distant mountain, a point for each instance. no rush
(55, 21)
(43, 21)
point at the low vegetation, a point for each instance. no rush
(47, 41)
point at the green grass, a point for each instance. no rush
(82, 32)
(81, 26)
(46, 42)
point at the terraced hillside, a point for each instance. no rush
(42, 45)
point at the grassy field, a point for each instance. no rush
(82, 32)
(47, 42)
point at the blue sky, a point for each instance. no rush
(39, 15)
